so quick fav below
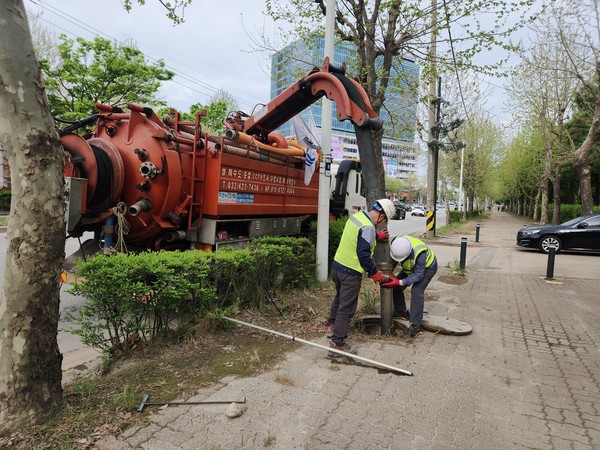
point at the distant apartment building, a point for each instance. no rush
(399, 150)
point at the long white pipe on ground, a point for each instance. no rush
(314, 344)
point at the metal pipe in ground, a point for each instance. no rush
(463, 252)
(550, 266)
(314, 344)
(384, 263)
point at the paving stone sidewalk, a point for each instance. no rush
(527, 377)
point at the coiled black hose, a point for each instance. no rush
(105, 177)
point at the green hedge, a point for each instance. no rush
(5, 196)
(336, 228)
(456, 216)
(567, 211)
(138, 297)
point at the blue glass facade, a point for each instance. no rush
(298, 58)
(398, 144)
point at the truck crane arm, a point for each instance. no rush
(349, 96)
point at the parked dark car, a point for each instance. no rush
(582, 233)
(400, 211)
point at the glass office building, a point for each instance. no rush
(399, 147)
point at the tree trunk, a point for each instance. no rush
(556, 194)
(30, 361)
(536, 205)
(544, 198)
(370, 163)
(580, 156)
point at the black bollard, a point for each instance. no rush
(463, 252)
(477, 233)
(550, 267)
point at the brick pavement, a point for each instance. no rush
(527, 377)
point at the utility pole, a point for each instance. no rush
(432, 154)
(325, 166)
(437, 144)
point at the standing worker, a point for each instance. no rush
(353, 259)
(418, 266)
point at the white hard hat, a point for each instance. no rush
(387, 207)
(400, 248)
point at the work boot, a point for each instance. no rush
(412, 331)
(344, 347)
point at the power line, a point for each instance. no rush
(462, 98)
(90, 29)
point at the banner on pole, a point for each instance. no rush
(307, 135)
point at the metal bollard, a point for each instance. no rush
(550, 267)
(477, 233)
(463, 252)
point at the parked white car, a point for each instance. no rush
(417, 211)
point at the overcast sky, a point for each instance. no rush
(211, 50)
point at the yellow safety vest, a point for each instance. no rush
(418, 247)
(346, 251)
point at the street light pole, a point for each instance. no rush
(324, 170)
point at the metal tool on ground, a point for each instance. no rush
(145, 403)
(376, 364)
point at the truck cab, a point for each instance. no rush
(347, 190)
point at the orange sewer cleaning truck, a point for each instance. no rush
(162, 183)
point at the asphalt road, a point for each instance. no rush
(414, 224)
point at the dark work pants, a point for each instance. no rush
(343, 307)
(417, 296)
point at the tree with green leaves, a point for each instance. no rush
(483, 147)
(384, 32)
(100, 71)
(219, 105)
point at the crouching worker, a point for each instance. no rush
(418, 266)
(353, 259)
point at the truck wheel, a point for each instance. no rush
(550, 241)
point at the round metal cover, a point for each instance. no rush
(446, 325)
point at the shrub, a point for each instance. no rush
(5, 196)
(336, 228)
(568, 211)
(138, 297)
(287, 262)
(456, 216)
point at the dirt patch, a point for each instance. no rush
(453, 280)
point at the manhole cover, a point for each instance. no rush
(436, 324)
(446, 325)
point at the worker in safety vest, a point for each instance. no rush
(353, 259)
(418, 266)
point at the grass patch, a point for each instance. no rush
(370, 294)
(461, 227)
(284, 380)
(454, 266)
(3, 220)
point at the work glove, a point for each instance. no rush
(393, 282)
(378, 277)
(383, 235)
